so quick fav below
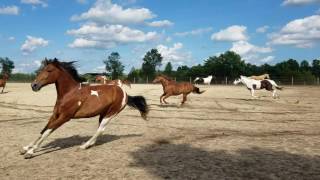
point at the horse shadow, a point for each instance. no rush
(182, 161)
(76, 140)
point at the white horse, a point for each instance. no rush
(253, 85)
(206, 80)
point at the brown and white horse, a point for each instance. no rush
(118, 82)
(261, 77)
(172, 88)
(3, 81)
(75, 100)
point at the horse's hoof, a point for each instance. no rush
(22, 151)
(28, 156)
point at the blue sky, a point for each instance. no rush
(185, 32)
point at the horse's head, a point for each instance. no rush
(266, 76)
(51, 70)
(48, 74)
(237, 81)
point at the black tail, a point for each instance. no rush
(197, 90)
(139, 103)
(280, 88)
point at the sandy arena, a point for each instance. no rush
(221, 134)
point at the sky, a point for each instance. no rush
(185, 32)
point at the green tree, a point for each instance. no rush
(304, 66)
(168, 69)
(114, 65)
(6, 65)
(134, 74)
(151, 61)
(316, 67)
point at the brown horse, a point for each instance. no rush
(75, 100)
(172, 88)
(117, 82)
(3, 81)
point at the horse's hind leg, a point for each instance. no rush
(184, 98)
(100, 130)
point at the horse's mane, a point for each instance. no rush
(166, 77)
(68, 66)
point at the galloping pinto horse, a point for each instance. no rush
(261, 77)
(253, 85)
(118, 82)
(206, 80)
(172, 88)
(3, 81)
(75, 100)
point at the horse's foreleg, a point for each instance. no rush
(165, 97)
(2, 89)
(162, 97)
(51, 126)
(100, 130)
(252, 93)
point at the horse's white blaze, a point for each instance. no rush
(79, 103)
(94, 93)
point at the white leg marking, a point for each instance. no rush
(101, 128)
(39, 141)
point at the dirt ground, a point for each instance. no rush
(221, 134)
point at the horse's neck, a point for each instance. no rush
(64, 84)
(247, 82)
(164, 83)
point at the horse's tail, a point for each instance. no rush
(197, 90)
(275, 84)
(139, 103)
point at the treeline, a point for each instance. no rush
(230, 65)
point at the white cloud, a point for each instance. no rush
(174, 54)
(163, 23)
(32, 43)
(11, 38)
(194, 32)
(299, 2)
(262, 29)
(267, 59)
(232, 33)
(302, 33)
(9, 10)
(104, 12)
(95, 36)
(249, 51)
(35, 2)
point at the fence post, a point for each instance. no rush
(291, 80)
(226, 80)
(134, 80)
(147, 80)
(318, 80)
(190, 79)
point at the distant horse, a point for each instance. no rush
(3, 81)
(102, 79)
(261, 77)
(118, 82)
(76, 101)
(172, 88)
(253, 85)
(206, 80)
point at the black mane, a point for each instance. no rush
(68, 66)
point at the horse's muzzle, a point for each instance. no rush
(36, 86)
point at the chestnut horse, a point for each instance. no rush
(75, 100)
(3, 81)
(118, 82)
(172, 88)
